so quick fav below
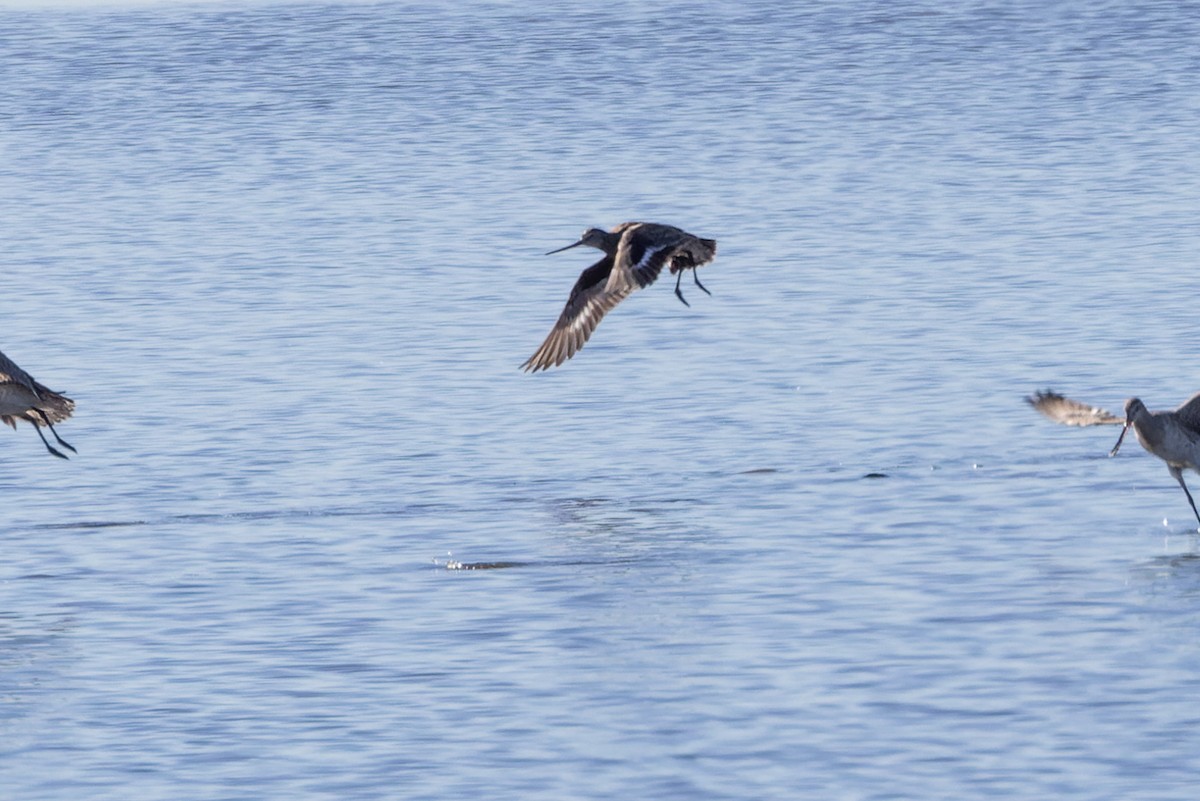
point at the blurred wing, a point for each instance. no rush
(1070, 412)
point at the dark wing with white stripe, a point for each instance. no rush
(644, 250)
(590, 300)
(1070, 412)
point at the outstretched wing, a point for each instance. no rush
(1070, 412)
(590, 300)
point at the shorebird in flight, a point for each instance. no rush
(1173, 436)
(22, 398)
(634, 255)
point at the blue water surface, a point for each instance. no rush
(803, 539)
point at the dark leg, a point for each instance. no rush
(696, 278)
(61, 441)
(679, 294)
(1177, 472)
(49, 447)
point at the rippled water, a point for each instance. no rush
(800, 540)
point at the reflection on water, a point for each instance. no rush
(34, 662)
(1171, 576)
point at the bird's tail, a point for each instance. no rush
(704, 251)
(695, 253)
(56, 407)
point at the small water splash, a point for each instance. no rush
(456, 565)
(451, 563)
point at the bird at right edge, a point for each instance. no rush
(1173, 436)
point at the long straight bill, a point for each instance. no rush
(568, 247)
(1117, 447)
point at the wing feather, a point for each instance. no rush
(590, 300)
(574, 328)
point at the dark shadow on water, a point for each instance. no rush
(266, 514)
(834, 471)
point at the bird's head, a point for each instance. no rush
(1133, 407)
(592, 237)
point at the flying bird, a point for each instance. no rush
(634, 255)
(1172, 436)
(22, 398)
